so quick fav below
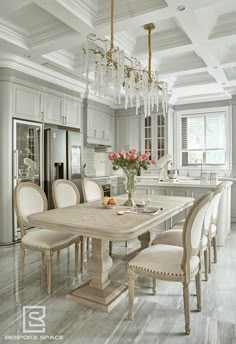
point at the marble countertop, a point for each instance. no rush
(180, 183)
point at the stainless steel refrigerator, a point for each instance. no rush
(27, 157)
(62, 158)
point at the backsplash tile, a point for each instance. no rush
(97, 164)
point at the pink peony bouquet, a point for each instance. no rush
(131, 160)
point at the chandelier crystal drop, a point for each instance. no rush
(125, 75)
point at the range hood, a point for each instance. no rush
(103, 148)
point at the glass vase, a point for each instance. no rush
(130, 187)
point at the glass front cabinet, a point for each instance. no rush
(155, 135)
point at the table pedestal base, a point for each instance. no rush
(102, 299)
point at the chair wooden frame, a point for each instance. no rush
(48, 252)
(188, 251)
(55, 201)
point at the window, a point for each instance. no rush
(204, 138)
(155, 135)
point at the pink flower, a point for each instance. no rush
(110, 156)
(153, 161)
(127, 156)
(133, 156)
(144, 156)
(122, 152)
(115, 156)
(148, 154)
(133, 151)
(140, 158)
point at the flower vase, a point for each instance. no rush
(131, 187)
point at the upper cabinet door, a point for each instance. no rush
(27, 103)
(128, 132)
(53, 108)
(73, 113)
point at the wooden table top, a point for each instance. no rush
(93, 220)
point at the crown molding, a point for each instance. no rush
(14, 34)
(50, 32)
(86, 10)
(62, 58)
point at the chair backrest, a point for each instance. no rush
(216, 201)
(92, 190)
(193, 230)
(212, 210)
(29, 198)
(65, 193)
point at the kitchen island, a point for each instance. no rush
(147, 186)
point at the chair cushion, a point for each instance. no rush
(174, 237)
(48, 239)
(179, 225)
(163, 260)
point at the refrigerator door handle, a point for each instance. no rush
(16, 164)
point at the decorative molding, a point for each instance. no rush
(194, 79)
(14, 34)
(86, 10)
(126, 9)
(50, 32)
(63, 58)
(225, 26)
(163, 40)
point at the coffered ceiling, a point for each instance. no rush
(194, 49)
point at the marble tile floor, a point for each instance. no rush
(158, 319)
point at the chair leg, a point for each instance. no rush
(49, 272)
(110, 248)
(87, 247)
(131, 293)
(43, 261)
(209, 256)
(215, 249)
(186, 307)
(198, 289)
(58, 255)
(22, 262)
(154, 286)
(206, 263)
(126, 243)
(77, 244)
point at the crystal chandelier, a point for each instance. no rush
(125, 74)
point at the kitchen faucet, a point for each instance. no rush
(196, 161)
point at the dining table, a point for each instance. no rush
(104, 224)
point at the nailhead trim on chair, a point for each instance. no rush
(159, 272)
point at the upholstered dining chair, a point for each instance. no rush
(174, 237)
(93, 192)
(29, 199)
(174, 263)
(210, 231)
(65, 194)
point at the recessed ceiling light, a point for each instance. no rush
(181, 8)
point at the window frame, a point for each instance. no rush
(204, 111)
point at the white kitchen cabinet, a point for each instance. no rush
(53, 108)
(128, 132)
(61, 110)
(72, 113)
(27, 103)
(98, 127)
